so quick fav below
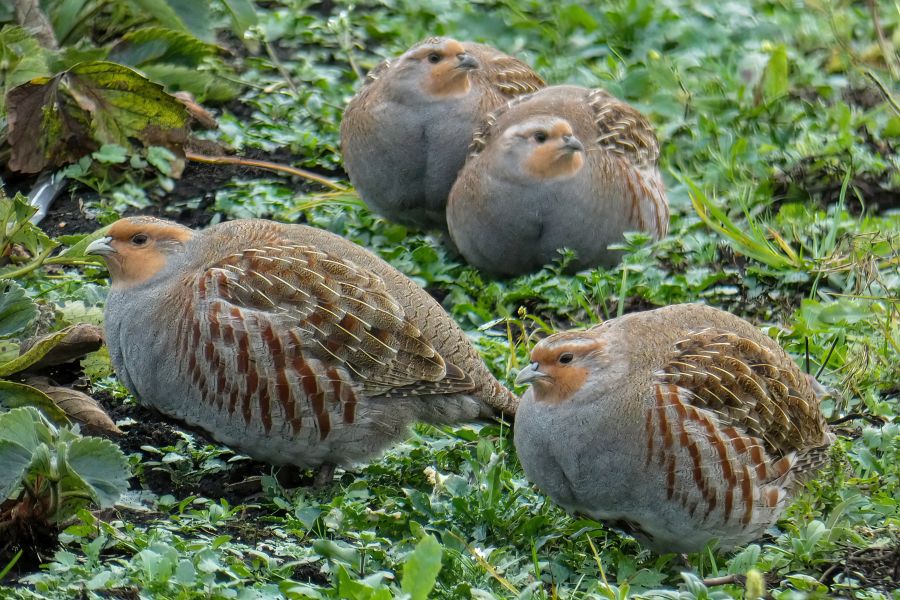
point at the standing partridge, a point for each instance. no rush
(563, 167)
(679, 425)
(406, 133)
(286, 342)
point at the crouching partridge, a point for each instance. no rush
(286, 342)
(405, 135)
(563, 167)
(680, 426)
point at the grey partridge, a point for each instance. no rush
(563, 167)
(680, 426)
(405, 135)
(285, 342)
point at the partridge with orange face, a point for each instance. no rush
(563, 167)
(286, 342)
(680, 425)
(405, 135)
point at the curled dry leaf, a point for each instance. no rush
(78, 406)
(81, 339)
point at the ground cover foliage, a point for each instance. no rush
(778, 123)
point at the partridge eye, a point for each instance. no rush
(139, 239)
(540, 137)
(434, 58)
(566, 358)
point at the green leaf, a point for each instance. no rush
(21, 59)
(76, 250)
(66, 16)
(421, 569)
(101, 465)
(17, 310)
(149, 45)
(204, 85)
(844, 312)
(15, 228)
(243, 15)
(371, 588)
(162, 13)
(184, 15)
(8, 350)
(16, 395)
(14, 460)
(775, 79)
(110, 154)
(161, 159)
(20, 426)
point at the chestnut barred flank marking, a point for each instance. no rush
(686, 422)
(340, 314)
(289, 343)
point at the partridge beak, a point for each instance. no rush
(572, 143)
(467, 62)
(529, 374)
(100, 246)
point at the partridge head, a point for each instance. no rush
(285, 342)
(405, 135)
(562, 167)
(680, 426)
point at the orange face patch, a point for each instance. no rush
(553, 158)
(561, 357)
(445, 79)
(138, 255)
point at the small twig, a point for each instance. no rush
(264, 164)
(853, 416)
(274, 58)
(724, 580)
(827, 356)
(806, 343)
(888, 97)
(882, 40)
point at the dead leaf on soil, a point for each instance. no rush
(80, 339)
(77, 405)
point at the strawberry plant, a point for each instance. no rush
(48, 473)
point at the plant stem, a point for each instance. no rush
(264, 164)
(28, 268)
(274, 58)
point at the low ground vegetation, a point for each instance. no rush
(779, 124)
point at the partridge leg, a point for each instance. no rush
(324, 476)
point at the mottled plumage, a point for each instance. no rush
(405, 135)
(563, 167)
(285, 342)
(679, 425)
